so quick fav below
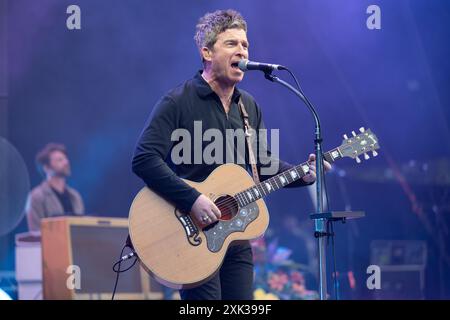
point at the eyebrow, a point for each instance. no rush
(235, 40)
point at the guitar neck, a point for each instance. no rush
(281, 180)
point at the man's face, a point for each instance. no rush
(231, 46)
(59, 164)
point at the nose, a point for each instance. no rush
(242, 52)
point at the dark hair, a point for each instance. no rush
(212, 24)
(43, 156)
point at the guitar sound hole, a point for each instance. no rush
(228, 206)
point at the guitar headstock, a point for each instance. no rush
(359, 144)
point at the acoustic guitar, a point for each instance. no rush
(181, 254)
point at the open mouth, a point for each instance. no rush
(234, 65)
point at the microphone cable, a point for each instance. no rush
(117, 264)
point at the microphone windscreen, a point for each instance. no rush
(243, 64)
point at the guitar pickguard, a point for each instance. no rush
(217, 233)
(192, 233)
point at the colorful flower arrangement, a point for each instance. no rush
(275, 278)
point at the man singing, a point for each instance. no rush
(210, 98)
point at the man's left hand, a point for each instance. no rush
(311, 176)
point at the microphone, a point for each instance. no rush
(247, 65)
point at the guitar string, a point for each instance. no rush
(228, 202)
(232, 200)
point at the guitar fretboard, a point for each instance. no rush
(279, 181)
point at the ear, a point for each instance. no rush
(206, 54)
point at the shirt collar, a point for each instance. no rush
(204, 89)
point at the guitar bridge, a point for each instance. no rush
(192, 233)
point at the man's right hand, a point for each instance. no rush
(204, 211)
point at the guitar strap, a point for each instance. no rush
(248, 135)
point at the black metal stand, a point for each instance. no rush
(330, 217)
(338, 215)
(320, 218)
(320, 226)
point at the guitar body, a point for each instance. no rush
(178, 253)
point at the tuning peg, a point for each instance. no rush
(345, 137)
(366, 156)
(362, 129)
(358, 160)
(374, 153)
(353, 133)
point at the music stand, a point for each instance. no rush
(332, 216)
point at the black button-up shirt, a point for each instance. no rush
(194, 108)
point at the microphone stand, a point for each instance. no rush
(320, 231)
